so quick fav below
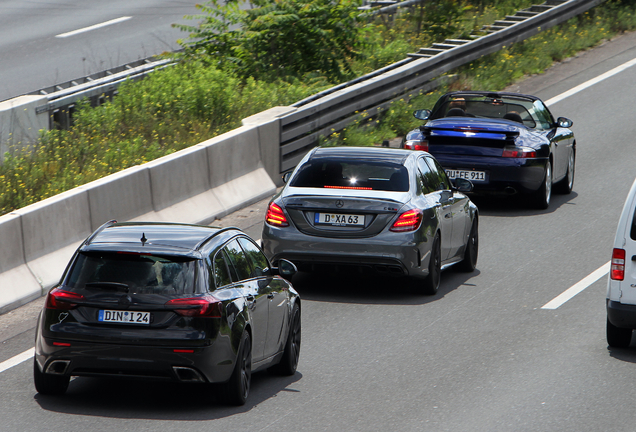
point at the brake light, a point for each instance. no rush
(416, 145)
(204, 306)
(519, 152)
(617, 269)
(408, 221)
(62, 300)
(275, 216)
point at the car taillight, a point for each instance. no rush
(519, 152)
(416, 145)
(205, 306)
(62, 300)
(275, 216)
(408, 221)
(617, 270)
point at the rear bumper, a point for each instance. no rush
(210, 364)
(621, 315)
(505, 175)
(400, 256)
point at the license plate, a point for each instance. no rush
(129, 317)
(336, 219)
(476, 176)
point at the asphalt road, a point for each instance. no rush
(37, 52)
(481, 355)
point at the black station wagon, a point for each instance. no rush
(169, 301)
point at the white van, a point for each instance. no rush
(621, 287)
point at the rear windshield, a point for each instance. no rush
(132, 273)
(347, 174)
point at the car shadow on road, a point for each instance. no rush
(625, 354)
(361, 288)
(519, 205)
(152, 400)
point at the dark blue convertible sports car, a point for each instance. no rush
(505, 143)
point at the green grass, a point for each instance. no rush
(188, 103)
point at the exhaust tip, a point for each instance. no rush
(57, 367)
(510, 190)
(186, 374)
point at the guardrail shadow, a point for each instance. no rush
(153, 400)
(374, 289)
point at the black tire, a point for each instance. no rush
(543, 196)
(48, 384)
(565, 186)
(238, 387)
(289, 361)
(618, 337)
(430, 285)
(469, 263)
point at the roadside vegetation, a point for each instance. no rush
(225, 75)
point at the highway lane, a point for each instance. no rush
(33, 57)
(481, 355)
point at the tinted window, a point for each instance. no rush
(239, 266)
(257, 260)
(133, 273)
(348, 174)
(438, 175)
(427, 178)
(221, 271)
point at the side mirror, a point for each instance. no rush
(462, 185)
(287, 176)
(423, 114)
(564, 122)
(285, 268)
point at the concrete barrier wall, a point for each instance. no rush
(195, 185)
(20, 125)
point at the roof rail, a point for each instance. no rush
(98, 230)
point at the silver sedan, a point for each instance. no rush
(389, 210)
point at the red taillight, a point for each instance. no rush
(275, 216)
(183, 351)
(204, 306)
(416, 145)
(519, 152)
(62, 300)
(62, 344)
(408, 221)
(617, 270)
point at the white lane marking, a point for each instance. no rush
(93, 27)
(591, 82)
(16, 360)
(578, 287)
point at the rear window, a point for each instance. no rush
(358, 175)
(133, 273)
(632, 232)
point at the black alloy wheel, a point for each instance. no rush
(431, 283)
(544, 194)
(289, 362)
(238, 387)
(618, 337)
(469, 263)
(48, 384)
(566, 185)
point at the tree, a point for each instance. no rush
(278, 38)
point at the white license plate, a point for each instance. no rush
(339, 219)
(476, 176)
(130, 317)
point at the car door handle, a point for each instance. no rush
(448, 215)
(633, 257)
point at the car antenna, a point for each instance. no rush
(143, 239)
